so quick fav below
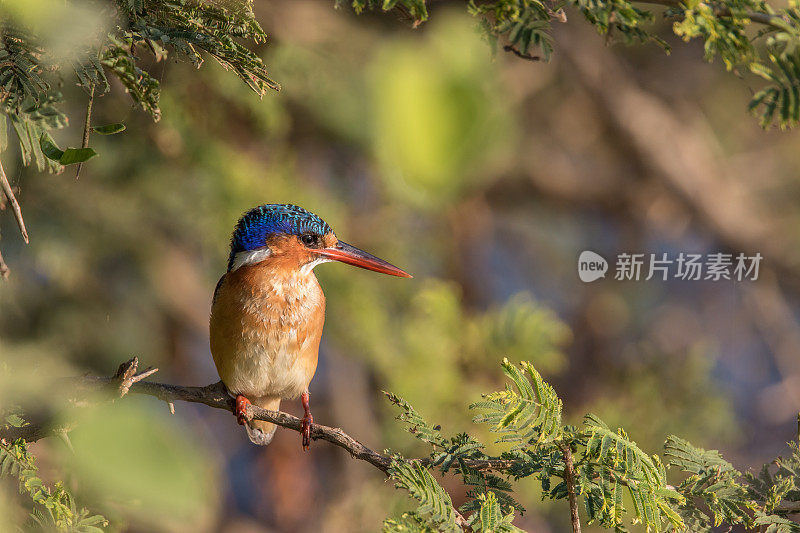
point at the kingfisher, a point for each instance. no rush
(268, 310)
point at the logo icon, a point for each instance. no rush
(591, 266)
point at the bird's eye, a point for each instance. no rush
(309, 239)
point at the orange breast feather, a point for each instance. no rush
(265, 330)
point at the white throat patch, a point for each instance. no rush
(308, 267)
(250, 257)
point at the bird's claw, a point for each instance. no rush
(241, 409)
(308, 420)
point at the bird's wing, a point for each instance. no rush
(216, 289)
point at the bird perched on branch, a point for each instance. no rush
(268, 309)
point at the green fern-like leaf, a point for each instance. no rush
(456, 451)
(525, 24)
(26, 98)
(619, 465)
(712, 480)
(143, 88)
(214, 27)
(490, 517)
(90, 73)
(622, 17)
(483, 482)
(54, 509)
(435, 506)
(416, 9)
(407, 523)
(776, 524)
(529, 415)
(616, 449)
(770, 490)
(415, 423)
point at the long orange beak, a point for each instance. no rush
(353, 256)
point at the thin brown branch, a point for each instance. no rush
(4, 270)
(461, 521)
(87, 127)
(569, 479)
(127, 381)
(518, 53)
(12, 201)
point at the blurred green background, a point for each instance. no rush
(485, 176)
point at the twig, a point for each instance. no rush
(87, 127)
(126, 375)
(569, 479)
(12, 201)
(4, 270)
(523, 55)
(461, 521)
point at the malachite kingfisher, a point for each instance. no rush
(268, 309)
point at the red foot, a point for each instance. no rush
(241, 409)
(308, 420)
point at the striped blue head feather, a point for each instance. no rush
(259, 223)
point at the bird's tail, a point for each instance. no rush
(261, 432)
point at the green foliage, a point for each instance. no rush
(27, 99)
(143, 88)
(615, 478)
(416, 9)
(771, 54)
(528, 416)
(435, 505)
(90, 73)
(624, 455)
(53, 509)
(775, 524)
(64, 157)
(109, 129)
(21, 70)
(217, 29)
(622, 17)
(148, 27)
(613, 464)
(213, 27)
(456, 453)
(415, 423)
(776, 489)
(780, 102)
(407, 523)
(491, 519)
(725, 29)
(525, 24)
(712, 481)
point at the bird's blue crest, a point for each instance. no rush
(260, 222)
